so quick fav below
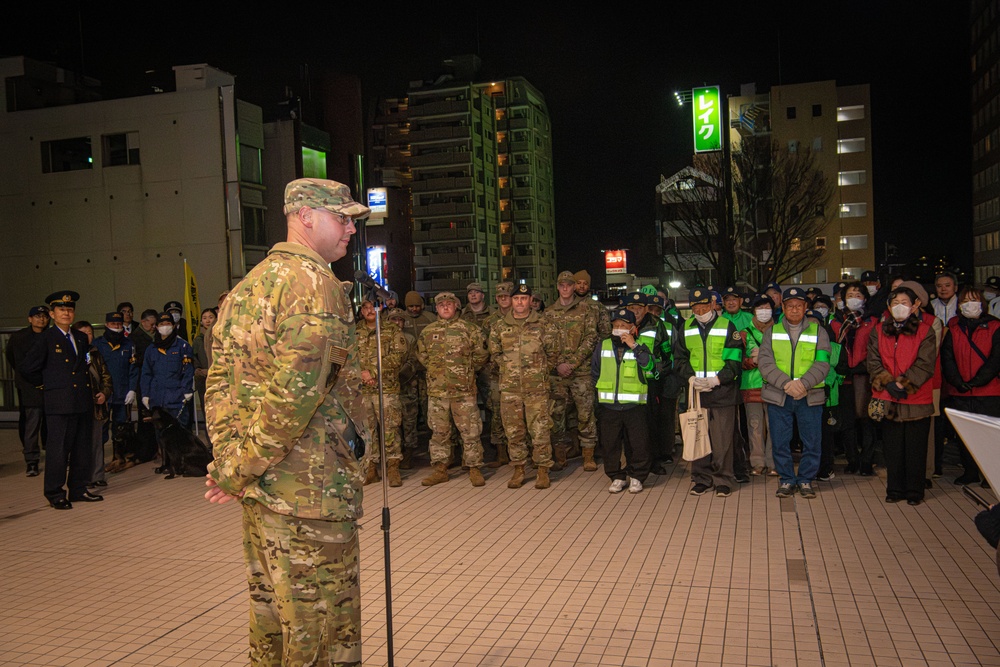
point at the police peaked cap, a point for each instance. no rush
(172, 305)
(774, 286)
(114, 317)
(636, 298)
(761, 299)
(522, 289)
(794, 293)
(623, 314)
(700, 295)
(65, 298)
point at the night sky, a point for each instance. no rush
(608, 81)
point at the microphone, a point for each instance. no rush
(367, 282)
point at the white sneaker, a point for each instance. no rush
(618, 485)
(634, 485)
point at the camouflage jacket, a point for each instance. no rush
(394, 350)
(603, 318)
(451, 351)
(479, 319)
(575, 327)
(279, 413)
(527, 352)
(409, 367)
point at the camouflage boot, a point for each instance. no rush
(518, 478)
(589, 464)
(542, 481)
(407, 462)
(371, 474)
(439, 476)
(559, 452)
(476, 477)
(392, 472)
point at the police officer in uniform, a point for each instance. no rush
(58, 363)
(175, 310)
(29, 397)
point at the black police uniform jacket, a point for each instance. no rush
(61, 371)
(18, 346)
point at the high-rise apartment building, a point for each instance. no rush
(985, 65)
(474, 162)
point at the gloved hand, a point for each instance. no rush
(706, 384)
(130, 398)
(895, 390)
(796, 389)
(187, 397)
(965, 387)
(145, 401)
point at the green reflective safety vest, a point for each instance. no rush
(709, 354)
(751, 378)
(833, 378)
(805, 351)
(621, 381)
(741, 319)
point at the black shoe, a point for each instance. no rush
(62, 504)
(742, 478)
(785, 490)
(659, 470)
(99, 482)
(88, 497)
(913, 501)
(668, 460)
(928, 484)
(967, 479)
(867, 473)
(851, 469)
(826, 476)
(32, 470)
(700, 489)
(723, 492)
(892, 499)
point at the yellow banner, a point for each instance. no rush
(191, 304)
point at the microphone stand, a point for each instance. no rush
(379, 304)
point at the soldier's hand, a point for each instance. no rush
(366, 377)
(217, 495)
(564, 370)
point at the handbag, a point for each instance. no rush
(694, 428)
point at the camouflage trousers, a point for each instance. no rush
(497, 435)
(579, 389)
(393, 417)
(409, 403)
(305, 592)
(465, 413)
(524, 415)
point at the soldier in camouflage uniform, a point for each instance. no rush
(409, 392)
(527, 351)
(477, 312)
(393, 351)
(452, 350)
(415, 321)
(583, 291)
(498, 438)
(284, 409)
(575, 324)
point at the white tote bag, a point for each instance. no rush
(694, 428)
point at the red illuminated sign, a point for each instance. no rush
(614, 261)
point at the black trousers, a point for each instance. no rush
(661, 412)
(69, 443)
(628, 429)
(904, 445)
(31, 424)
(857, 432)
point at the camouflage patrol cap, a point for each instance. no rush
(565, 277)
(701, 295)
(504, 289)
(475, 287)
(794, 293)
(623, 314)
(446, 296)
(522, 290)
(321, 193)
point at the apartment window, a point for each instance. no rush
(856, 112)
(821, 275)
(851, 273)
(313, 163)
(854, 210)
(250, 169)
(790, 113)
(817, 143)
(821, 242)
(254, 231)
(795, 245)
(120, 149)
(817, 110)
(797, 278)
(793, 146)
(854, 242)
(851, 145)
(859, 177)
(66, 155)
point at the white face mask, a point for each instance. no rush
(823, 310)
(900, 312)
(972, 309)
(176, 317)
(763, 314)
(706, 318)
(871, 289)
(838, 304)
(619, 332)
(114, 330)
(854, 303)
(989, 295)
(165, 331)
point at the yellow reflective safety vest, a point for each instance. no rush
(619, 381)
(795, 365)
(708, 355)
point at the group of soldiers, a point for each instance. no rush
(526, 369)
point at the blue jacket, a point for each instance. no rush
(167, 374)
(122, 366)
